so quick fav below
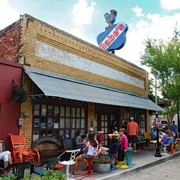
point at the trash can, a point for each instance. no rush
(100, 136)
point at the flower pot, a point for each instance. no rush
(101, 168)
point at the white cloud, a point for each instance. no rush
(7, 15)
(82, 13)
(138, 11)
(159, 27)
(170, 4)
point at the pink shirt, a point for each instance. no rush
(124, 142)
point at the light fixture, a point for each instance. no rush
(25, 114)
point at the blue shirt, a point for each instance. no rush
(153, 134)
(78, 140)
(174, 128)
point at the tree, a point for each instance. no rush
(163, 58)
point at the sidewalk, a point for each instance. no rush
(144, 158)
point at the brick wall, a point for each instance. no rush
(9, 43)
(34, 31)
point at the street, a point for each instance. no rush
(164, 171)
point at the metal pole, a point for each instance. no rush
(155, 90)
(178, 118)
(158, 152)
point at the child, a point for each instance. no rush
(84, 138)
(123, 147)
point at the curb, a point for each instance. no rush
(125, 172)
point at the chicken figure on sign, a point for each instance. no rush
(110, 18)
(114, 36)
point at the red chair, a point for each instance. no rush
(21, 153)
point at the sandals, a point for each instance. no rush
(74, 173)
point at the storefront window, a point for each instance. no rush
(50, 110)
(56, 110)
(57, 121)
(43, 110)
(37, 110)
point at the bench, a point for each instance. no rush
(141, 143)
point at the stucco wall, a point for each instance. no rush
(9, 110)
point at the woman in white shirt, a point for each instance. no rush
(91, 149)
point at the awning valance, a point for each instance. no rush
(56, 85)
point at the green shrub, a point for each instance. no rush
(9, 177)
(52, 174)
(102, 160)
(48, 175)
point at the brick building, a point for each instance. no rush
(71, 84)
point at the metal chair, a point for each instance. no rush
(71, 161)
(46, 165)
(16, 168)
(21, 153)
(113, 150)
(128, 157)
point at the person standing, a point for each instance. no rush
(113, 127)
(174, 128)
(132, 131)
(123, 147)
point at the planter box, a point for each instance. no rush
(101, 168)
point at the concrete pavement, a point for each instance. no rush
(144, 158)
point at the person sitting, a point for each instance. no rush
(91, 149)
(79, 143)
(90, 130)
(5, 156)
(153, 133)
(114, 139)
(84, 138)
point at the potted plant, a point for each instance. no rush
(101, 165)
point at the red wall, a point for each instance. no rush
(9, 110)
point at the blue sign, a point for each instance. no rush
(113, 38)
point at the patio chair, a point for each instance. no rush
(71, 161)
(113, 150)
(46, 165)
(21, 153)
(16, 168)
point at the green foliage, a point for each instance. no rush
(32, 177)
(10, 176)
(52, 174)
(48, 175)
(164, 60)
(102, 160)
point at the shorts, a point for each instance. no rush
(132, 138)
(121, 155)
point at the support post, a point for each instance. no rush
(158, 152)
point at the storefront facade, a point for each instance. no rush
(73, 85)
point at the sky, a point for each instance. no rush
(85, 19)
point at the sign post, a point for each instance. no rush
(157, 124)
